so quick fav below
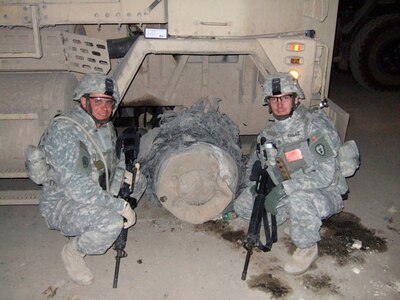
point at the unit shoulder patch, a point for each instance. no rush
(320, 147)
(83, 162)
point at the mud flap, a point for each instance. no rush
(339, 116)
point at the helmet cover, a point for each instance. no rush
(96, 83)
(280, 83)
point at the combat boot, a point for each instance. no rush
(301, 260)
(75, 264)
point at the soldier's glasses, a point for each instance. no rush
(283, 99)
(98, 101)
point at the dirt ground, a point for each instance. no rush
(169, 259)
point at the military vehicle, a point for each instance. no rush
(163, 54)
(368, 43)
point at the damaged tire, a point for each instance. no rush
(193, 162)
(197, 183)
(375, 54)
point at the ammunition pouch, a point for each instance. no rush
(35, 164)
(299, 158)
(294, 159)
(349, 158)
(118, 179)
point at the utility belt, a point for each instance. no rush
(35, 165)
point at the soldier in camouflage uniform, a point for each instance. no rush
(78, 148)
(301, 148)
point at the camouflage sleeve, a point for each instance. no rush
(63, 154)
(325, 169)
(249, 165)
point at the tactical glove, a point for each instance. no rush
(129, 216)
(253, 190)
(273, 198)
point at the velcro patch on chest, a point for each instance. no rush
(296, 157)
(293, 155)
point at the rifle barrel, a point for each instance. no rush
(116, 272)
(246, 264)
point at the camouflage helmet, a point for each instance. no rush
(280, 83)
(96, 82)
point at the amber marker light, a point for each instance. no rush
(295, 60)
(295, 47)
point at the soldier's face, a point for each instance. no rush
(101, 105)
(281, 105)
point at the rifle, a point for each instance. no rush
(259, 215)
(129, 143)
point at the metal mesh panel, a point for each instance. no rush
(86, 55)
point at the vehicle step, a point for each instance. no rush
(18, 116)
(19, 197)
(12, 169)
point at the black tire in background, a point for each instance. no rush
(375, 54)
